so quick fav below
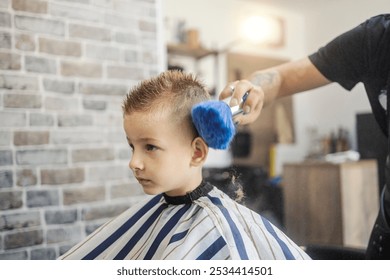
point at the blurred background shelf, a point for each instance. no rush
(330, 204)
(186, 50)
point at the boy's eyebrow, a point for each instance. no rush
(145, 139)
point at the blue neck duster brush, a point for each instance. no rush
(214, 122)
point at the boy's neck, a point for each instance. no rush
(203, 189)
(192, 185)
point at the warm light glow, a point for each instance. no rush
(262, 29)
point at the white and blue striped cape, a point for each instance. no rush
(213, 227)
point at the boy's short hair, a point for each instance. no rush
(172, 90)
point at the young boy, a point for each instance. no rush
(186, 218)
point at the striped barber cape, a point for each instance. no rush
(213, 227)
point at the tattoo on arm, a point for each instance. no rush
(270, 82)
(264, 79)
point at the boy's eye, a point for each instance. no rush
(150, 147)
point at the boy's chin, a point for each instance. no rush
(151, 191)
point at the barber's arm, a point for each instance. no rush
(267, 85)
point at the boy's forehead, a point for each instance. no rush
(147, 122)
(148, 116)
(154, 122)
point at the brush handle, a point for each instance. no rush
(236, 110)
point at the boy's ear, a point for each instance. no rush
(200, 151)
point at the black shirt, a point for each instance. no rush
(361, 54)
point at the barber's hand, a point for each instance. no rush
(253, 103)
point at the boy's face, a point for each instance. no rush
(161, 153)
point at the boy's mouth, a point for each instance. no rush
(143, 181)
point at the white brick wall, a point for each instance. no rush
(65, 66)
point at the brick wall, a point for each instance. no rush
(65, 66)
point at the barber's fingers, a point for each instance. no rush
(236, 90)
(252, 106)
(242, 88)
(228, 90)
(253, 101)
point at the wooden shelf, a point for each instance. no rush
(186, 50)
(331, 204)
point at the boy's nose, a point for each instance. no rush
(135, 163)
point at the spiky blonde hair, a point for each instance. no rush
(172, 90)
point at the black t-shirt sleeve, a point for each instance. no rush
(347, 59)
